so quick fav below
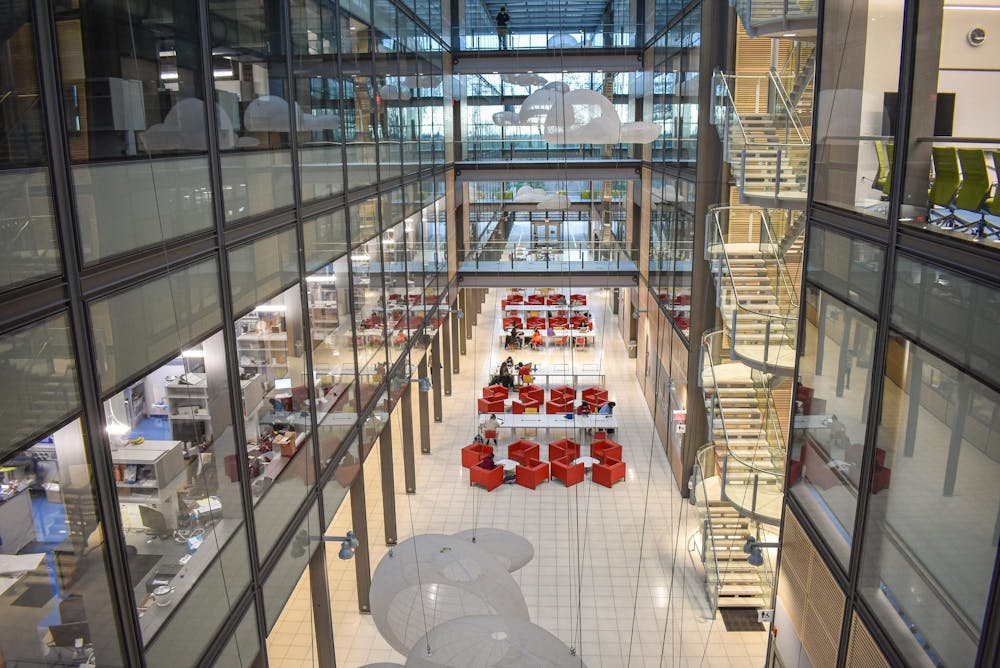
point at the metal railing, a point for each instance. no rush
(601, 36)
(520, 148)
(775, 15)
(762, 329)
(704, 468)
(551, 256)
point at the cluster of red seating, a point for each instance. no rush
(551, 299)
(532, 471)
(530, 399)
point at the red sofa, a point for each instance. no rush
(578, 300)
(564, 469)
(523, 450)
(563, 393)
(531, 392)
(563, 448)
(475, 453)
(532, 473)
(488, 478)
(608, 471)
(595, 396)
(526, 406)
(495, 392)
(489, 405)
(512, 320)
(602, 449)
(536, 300)
(554, 407)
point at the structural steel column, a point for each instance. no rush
(406, 417)
(457, 340)
(388, 483)
(446, 345)
(423, 401)
(715, 22)
(435, 363)
(463, 306)
(362, 557)
(322, 614)
(913, 412)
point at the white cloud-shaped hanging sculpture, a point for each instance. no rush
(513, 551)
(582, 117)
(524, 79)
(183, 128)
(562, 41)
(422, 81)
(553, 202)
(527, 194)
(485, 641)
(506, 118)
(537, 105)
(431, 579)
(319, 121)
(268, 113)
(391, 92)
(639, 132)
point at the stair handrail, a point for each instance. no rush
(722, 79)
(769, 421)
(712, 588)
(774, 250)
(713, 221)
(786, 102)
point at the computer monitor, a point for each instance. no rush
(154, 521)
(66, 635)
(282, 383)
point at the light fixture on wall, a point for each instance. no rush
(348, 544)
(753, 548)
(423, 383)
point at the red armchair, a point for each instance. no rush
(475, 453)
(563, 393)
(532, 473)
(606, 450)
(515, 299)
(523, 450)
(495, 392)
(489, 405)
(600, 435)
(563, 448)
(526, 406)
(608, 472)
(578, 300)
(558, 321)
(554, 407)
(536, 300)
(536, 322)
(595, 396)
(512, 320)
(531, 392)
(564, 469)
(555, 299)
(488, 478)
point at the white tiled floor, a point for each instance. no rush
(612, 575)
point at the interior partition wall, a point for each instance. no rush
(892, 465)
(207, 309)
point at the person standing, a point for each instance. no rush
(503, 18)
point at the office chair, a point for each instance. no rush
(991, 205)
(881, 180)
(947, 181)
(973, 191)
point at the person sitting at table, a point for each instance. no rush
(524, 373)
(584, 409)
(491, 425)
(606, 409)
(506, 377)
(488, 463)
(551, 331)
(536, 340)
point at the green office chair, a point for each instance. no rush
(947, 180)
(974, 188)
(889, 147)
(881, 180)
(991, 205)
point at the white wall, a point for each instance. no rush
(972, 72)
(786, 642)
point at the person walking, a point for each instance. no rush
(503, 18)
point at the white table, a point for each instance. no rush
(588, 462)
(507, 464)
(553, 421)
(559, 333)
(544, 308)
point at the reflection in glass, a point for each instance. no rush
(831, 401)
(56, 608)
(27, 225)
(135, 107)
(251, 91)
(851, 268)
(931, 538)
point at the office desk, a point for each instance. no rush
(553, 421)
(17, 522)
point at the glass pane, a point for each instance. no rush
(56, 609)
(243, 648)
(291, 564)
(318, 90)
(150, 322)
(856, 108)
(931, 536)
(30, 249)
(40, 382)
(831, 402)
(336, 489)
(134, 106)
(848, 267)
(174, 453)
(276, 409)
(251, 91)
(325, 238)
(358, 94)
